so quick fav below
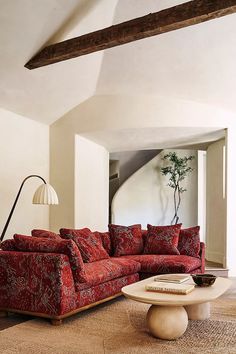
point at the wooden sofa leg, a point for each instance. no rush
(55, 322)
(3, 313)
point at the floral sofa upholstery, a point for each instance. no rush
(55, 276)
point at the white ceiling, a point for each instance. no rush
(196, 63)
(155, 138)
(47, 93)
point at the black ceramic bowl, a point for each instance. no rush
(204, 279)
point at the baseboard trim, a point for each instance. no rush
(219, 272)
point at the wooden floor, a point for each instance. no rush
(15, 319)
(216, 269)
(213, 264)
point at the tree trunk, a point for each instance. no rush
(175, 206)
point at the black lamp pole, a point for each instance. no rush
(15, 202)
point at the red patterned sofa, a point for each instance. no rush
(56, 276)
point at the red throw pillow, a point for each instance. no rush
(189, 241)
(67, 247)
(89, 244)
(126, 240)
(8, 245)
(45, 234)
(162, 239)
(106, 240)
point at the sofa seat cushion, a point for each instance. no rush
(102, 291)
(161, 264)
(107, 269)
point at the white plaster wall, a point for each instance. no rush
(215, 204)
(202, 194)
(146, 198)
(230, 201)
(108, 117)
(62, 162)
(24, 150)
(91, 185)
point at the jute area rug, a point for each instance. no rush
(119, 327)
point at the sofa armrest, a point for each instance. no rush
(202, 256)
(40, 283)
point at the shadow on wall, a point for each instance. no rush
(146, 197)
(80, 11)
(164, 200)
(123, 165)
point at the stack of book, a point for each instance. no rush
(172, 278)
(170, 283)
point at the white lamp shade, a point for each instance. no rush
(45, 194)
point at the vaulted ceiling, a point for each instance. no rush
(26, 26)
(195, 63)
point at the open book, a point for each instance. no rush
(169, 287)
(172, 278)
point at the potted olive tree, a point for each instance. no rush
(177, 170)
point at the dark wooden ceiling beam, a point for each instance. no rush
(183, 15)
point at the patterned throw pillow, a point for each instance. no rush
(162, 239)
(45, 234)
(8, 245)
(89, 243)
(189, 241)
(106, 240)
(126, 240)
(67, 247)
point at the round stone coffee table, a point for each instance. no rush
(168, 316)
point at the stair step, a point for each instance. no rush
(219, 272)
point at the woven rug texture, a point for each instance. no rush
(119, 327)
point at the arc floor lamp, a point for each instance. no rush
(45, 194)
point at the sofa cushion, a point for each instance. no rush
(106, 240)
(126, 239)
(8, 245)
(89, 243)
(162, 239)
(161, 264)
(103, 291)
(189, 241)
(107, 269)
(67, 247)
(45, 234)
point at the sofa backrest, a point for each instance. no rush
(106, 240)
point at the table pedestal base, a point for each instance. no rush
(198, 311)
(167, 322)
(170, 322)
